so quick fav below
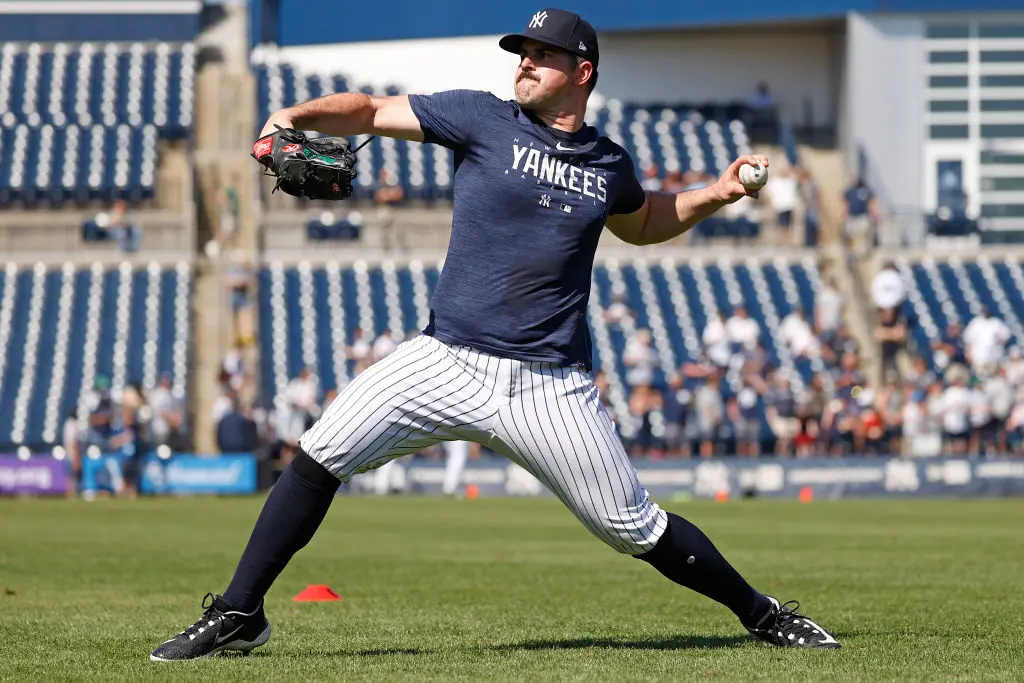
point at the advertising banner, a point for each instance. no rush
(39, 475)
(185, 474)
(669, 478)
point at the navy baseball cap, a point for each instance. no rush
(560, 28)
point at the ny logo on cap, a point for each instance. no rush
(538, 19)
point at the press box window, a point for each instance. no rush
(947, 81)
(945, 106)
(946, 132)
(948, 57)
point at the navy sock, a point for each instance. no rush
(291, 515)
(686, 556)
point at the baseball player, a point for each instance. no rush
(506, 357)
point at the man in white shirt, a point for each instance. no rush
(921, 435)
(985, 338)
(797, 334)
(784, 197)
(384, 345)
(956, 404)
(741, 329)
(640, 358)
(716, 341)
(828, 308)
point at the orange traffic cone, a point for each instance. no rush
(472, 492)
(316, 593)
(806, 494)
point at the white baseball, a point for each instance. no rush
(753, 177)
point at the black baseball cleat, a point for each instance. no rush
(784, 627)
(219, 629)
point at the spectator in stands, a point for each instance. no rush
(982, 425)
(1015, 367)
(985, 339)
(716, 340)
(223, 404)
(828, 310)
(921, 429)
(757, 362)
(780, 409)
(955, 409)
(783, 196)
(1015, 423)
(673, 182)
(303, 395)
(745, 415)
(674, 404)
(887, 288)
(651, 181)
(763, 124)
(360, 351)
(920, 376)
(762, 98)
(72, 439)
(126, 438)
(384, 345)
(848, 374)
(389, 194)
(810, 197)
(101, 413)
(167, 414)
(123, 228)
(640, 359)
(236, 432)
(951, 350)
(618, 312)
(240, 281)
(842, 426)
(810, 405)
(643, 401)
(840, 344)
(742, 330)
(872, 427)
(795, 331)
(889, 407)
(860, 215)
(604, 395)
(709, 413)
(228, 209)
(233, 372)
(743, 218)
(891, 334)
(1000, 395)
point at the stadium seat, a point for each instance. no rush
(94, 113)
(62, 326)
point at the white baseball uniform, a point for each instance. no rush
(544, 417)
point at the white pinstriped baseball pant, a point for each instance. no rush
(544, 417)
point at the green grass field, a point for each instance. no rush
(514, 589)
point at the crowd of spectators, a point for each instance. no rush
(273, 427)
(737, 397)
(130, 422)
(791, 194)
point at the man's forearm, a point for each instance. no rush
(341, 114)
(673, 215)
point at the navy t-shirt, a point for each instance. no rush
(530, 202)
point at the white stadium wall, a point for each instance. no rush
(802, 65)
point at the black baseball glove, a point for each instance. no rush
(317, 168)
